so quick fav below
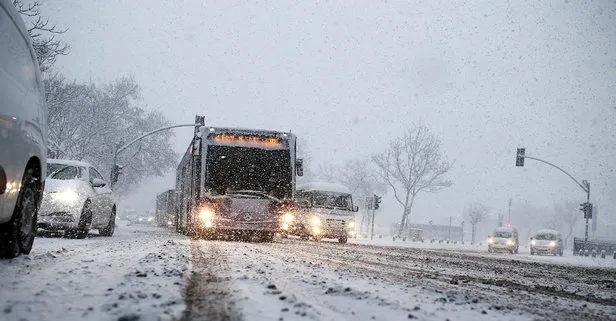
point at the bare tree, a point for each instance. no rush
(568, 214)
(43, 34)
(411, 165)
(475, 214)
(87, 121)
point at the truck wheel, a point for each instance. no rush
(110, 228)
(85, 221)
(342, 239)
(17, 235)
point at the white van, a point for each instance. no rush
(325, 210)
(23, 135)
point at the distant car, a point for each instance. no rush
(77, 199)
(504, 239)
(141, 220)
(546, 242)
(23, 135)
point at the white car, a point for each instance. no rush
(23, 134)
(76, 199)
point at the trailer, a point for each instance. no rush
(236, 183)
(165, 208)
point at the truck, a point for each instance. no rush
(323, 210)
(165, 208)
(236, 183)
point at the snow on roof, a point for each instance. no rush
(545, 231)
(68, 162)
(324, 186)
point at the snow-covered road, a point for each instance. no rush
(154, 274)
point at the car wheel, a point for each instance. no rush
(110, 228)
(17, 235)
(342, 240)
(85, 221)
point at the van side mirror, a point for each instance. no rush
(355, 208)
(532, 238)
(299, 167)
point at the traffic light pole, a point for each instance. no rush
(585, 185)
(119, 148)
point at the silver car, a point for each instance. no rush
(23, 135)
(546, 242)
(77, 199)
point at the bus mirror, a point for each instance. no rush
(299, 167)
(355, 208)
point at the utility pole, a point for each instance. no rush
(368, 214)
(509, 216)
(585, 185)
(449, 234)
(372, 228)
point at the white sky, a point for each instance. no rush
(347, 76)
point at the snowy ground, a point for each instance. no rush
(481, 250)
(146, 273)
(138, 271)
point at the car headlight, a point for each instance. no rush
(533, 242)
(288, 217)
(510, 242)
(490, 241)
(351, 224)
(65, 196)
(315, 221)
(553, 244)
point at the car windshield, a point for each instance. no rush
(546, 236)
(307, 160)
(503, 234)
(66, 173)
(53, 167)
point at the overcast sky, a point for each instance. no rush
(347, 76)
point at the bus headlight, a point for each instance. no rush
(288, 218)
(351, 224)
(206, 216)
(552, 243)
(533, 242)
(490, 240)
(510, 242)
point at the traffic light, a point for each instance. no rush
(519, 159)
(377, 201)
(586, 208)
